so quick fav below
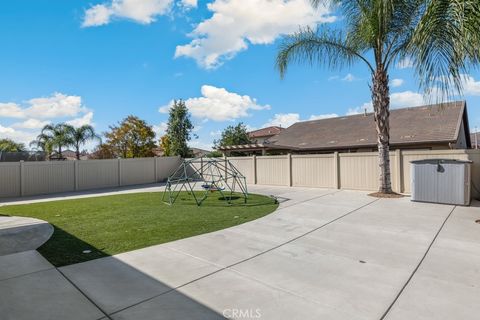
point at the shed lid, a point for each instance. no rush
(438, 161)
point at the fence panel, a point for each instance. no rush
(43, 177)
(246, 166)
(10, 180)
(95, 174)
(137, 171)
(358, 171)
(273, 170)
(166, 166)
(313, 170)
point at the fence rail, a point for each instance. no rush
(358, 171)
(19, 179)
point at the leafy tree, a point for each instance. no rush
(233, 135)
(132, 138)
(440, 37)
(8, 145)
(165, 145)
(103, 151)
(179, 129)
(54, 137)
(80, 136)
(214, 154)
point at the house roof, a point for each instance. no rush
(438, 123)
(265, 132)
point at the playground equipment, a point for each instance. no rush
(211, 175)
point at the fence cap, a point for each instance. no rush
(439, 161)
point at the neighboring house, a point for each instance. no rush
(261, 136)
(475, 139)
(260, 141)
(433, 127)
(198, 153)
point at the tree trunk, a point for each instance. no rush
(77, 151)
(381, 106)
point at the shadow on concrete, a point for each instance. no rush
(115, 287)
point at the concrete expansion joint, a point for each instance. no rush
(385, 314)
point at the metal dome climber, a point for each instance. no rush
(215, 175)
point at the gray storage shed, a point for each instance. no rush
(441, 181)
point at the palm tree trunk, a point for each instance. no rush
(381, 106)
(77, 151)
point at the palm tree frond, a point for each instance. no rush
(324, 47)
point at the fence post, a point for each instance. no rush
(22, 178)
(336, 170)
(155, 176)
(75, 175)
(399, 171)
(119, 172)
(254, 159)
(289, 159)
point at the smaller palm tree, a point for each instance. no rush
(54, 137)
(80, 136)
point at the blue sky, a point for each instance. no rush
(99, 61)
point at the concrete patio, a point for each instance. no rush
(324, 254)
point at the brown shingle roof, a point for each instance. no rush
(424, 124)
(265, 132)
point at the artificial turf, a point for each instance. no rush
(109, 225)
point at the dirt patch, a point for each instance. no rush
(386, 195)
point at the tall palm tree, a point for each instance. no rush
(440, 37)
(80, 136)
(55, 137)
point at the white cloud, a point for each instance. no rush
(396, 83)
(406, 99)
(200, 144)
(349, 77)
(218, 104)
(285, 120)
(30, 124)
(17, 135)
(38, 112)
(56, 106)
(11, 110)
(323, 116)
(140, 11)
(160, 129)
(78, 122)
(189, 3)
(470, 86)
(403, 99)
(405, 63)
(216, 133)
(361, 109)
(237, 23)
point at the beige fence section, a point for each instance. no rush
(45, 177)
(359, 171)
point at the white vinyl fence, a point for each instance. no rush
(43, 177)
(358, 171)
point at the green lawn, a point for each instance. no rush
(114, 224)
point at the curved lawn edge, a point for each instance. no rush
(95, 227)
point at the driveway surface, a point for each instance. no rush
(324, 254)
